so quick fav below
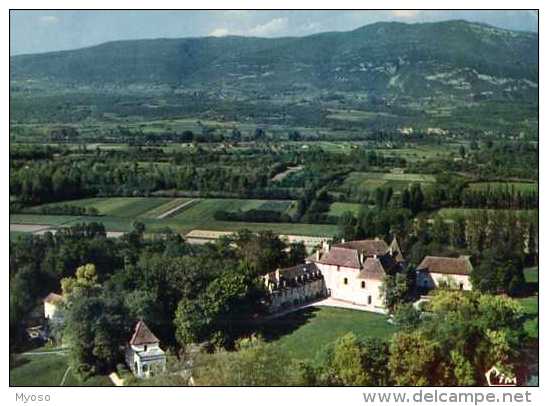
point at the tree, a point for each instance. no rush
(85, 279)
(348, 362)
(347, 226)
(458, 232)
(95, 328)
(440, 230)
(255, 363)
(221, 310)
(417, 198)
(415, 360)
(406, 316)
(395, 289)
(263, 251)
(297, 253)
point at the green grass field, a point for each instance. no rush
(530, 303)
(118, 206)
(452, 212)
(169, 205)
(337, 208)
(122, 212)
(369, 181)
(516, 186)
(48, 370)
(206, 208)
(303, 333)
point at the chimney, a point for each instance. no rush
(362, 257)
(325, 246)
(391, 251)
(342, 240)
(317, 255)
(374, 256)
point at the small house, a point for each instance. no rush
(144, 357)
(453, 272)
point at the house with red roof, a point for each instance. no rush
(144, 357)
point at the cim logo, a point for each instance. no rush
(496, 378)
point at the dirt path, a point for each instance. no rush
(64, 377)
(175, 209)
(283, 174)
(115, 379)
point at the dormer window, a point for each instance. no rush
(145, 347)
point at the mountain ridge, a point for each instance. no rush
(383, 58)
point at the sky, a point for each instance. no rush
(44, 31)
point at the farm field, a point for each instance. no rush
(369, 181)
(516, 186)
(303, 333)
(338, 208)
(48, 370)
(421, 152)
(206, 208)
(161, 210)
(452, 212)
(117, 206)
(196, 215)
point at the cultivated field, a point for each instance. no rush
(451, 213)
(120, 214)
(369, 181)
(338, 208)
(516, 186)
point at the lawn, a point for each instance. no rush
(48, 370)
(303, 333)
(38, 370)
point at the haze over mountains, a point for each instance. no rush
(381, 58)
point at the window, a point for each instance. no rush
(345, 281)
(145, 347)
(461, 286)
(363, 284)
(368, 300)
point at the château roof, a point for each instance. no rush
(372, 269)
(396, 251)
(142, 335)
(298, 270)
(341, 256)
(366, 247)
(446, 265)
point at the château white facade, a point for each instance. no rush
(354, 270)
